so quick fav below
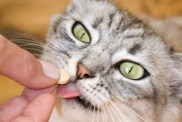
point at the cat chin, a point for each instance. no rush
(78, 104)
(139, 111)
(71, 111)
(74, 113)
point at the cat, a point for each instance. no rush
(121, 69)
(170, 28)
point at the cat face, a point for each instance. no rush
(129, 68)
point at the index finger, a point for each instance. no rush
(20, 65)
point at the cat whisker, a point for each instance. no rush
(32, 44)
(103, 98)
(110, 113)
(29, 44)
(90, 107)
(103, 113)
(20, 35)
(55, 48)
(132, 109)
(45, 58)
(22, 40)
(93, 115)
(36, 52)
(34, 49)
(32, 41)
(96, 115)
(115, 110)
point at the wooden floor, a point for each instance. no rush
(32, 17)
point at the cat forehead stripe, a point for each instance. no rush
(135, 48)
(97, 22)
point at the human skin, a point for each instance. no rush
(36, 102)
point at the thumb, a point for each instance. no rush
(23, 67)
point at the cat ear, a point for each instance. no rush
(177, 79)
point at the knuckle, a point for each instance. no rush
(30, 66)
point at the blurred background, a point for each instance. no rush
(32, 17)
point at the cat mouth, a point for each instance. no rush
(85, 103)
(70, 91)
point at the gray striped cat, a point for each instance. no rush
(121, 70)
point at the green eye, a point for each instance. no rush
(132, 70)
(81, 33)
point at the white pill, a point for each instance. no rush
(65, 76)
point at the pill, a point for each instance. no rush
(65, 76)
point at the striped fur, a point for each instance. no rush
(116, 35)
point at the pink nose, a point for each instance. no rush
(82, 72)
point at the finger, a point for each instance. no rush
(23, 67)
(30, 94)
(23, 119)
(40, 108)
(12, 108)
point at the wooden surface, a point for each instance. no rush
(26, 16)
(32, 17)
(29, 16)
(155, 8)
(8, 88)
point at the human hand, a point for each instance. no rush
(39, 78)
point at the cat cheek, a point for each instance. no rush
(95, 92)
(176, 84)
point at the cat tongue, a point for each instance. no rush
(68, 91)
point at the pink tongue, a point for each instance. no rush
(68, 91)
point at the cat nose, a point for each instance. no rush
(83, 72)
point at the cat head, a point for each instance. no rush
(128, 66)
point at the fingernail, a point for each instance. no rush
(50, 70)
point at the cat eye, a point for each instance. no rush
(132, 70)
(80, 33)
